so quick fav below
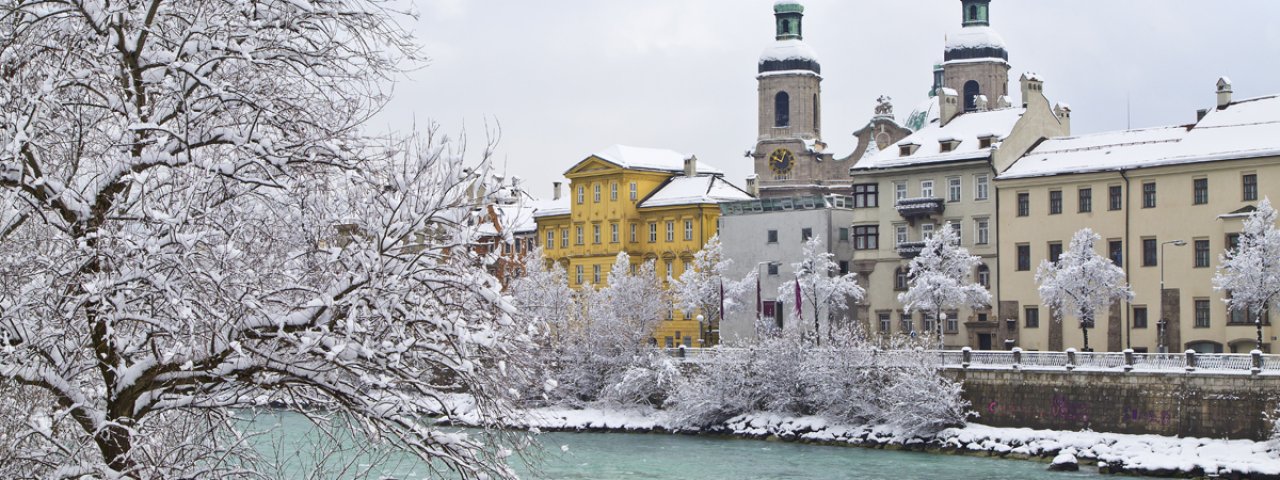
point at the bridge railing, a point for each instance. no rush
(1069, 360)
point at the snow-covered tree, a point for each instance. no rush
(1082, 283)
(542, 293)
(1250, 274)
(634, 303)
(941, 279)
(170, 182)
(823, 290)
(705, 288)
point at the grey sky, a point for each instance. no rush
(570, 77)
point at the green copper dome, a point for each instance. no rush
(788, 6)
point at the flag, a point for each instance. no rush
(758, 302)
(721, 299)
(799, 311)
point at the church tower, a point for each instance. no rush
(976, 62)
(789, 147)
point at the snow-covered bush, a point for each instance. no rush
(820, 289)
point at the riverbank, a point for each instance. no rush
(1147, 455)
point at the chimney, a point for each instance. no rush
(1224, 92)
(1003, 102)
(948, 105)
(555, 190)
(753, 185)
(1032, 86)
(1201, 113)
(691, 166)
(1063, 112)
(982, 103)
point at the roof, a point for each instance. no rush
(966, 128)
(638, 158)
(551, 208)
(1245, 129)
(514, 218)
(975, 37)
(700, 189)
(788, 50)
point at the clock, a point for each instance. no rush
(781, 161)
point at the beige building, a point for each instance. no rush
(1166, 202)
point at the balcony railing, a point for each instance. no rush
(913, 208)
(910, 249)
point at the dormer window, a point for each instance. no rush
(985, 141)
(906, 149)
(948, 144)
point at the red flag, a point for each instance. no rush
(758, 302)
(799, 311)
(721, 299)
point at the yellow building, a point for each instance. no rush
(654, 204)
(1166, 203)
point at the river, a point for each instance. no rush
(610, 456)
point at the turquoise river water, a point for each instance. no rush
(610, 456)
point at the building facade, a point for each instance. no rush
(656, 205)
(1166, 203)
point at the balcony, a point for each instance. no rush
(910, 250)
(914, 208)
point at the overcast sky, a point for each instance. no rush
(567, 78)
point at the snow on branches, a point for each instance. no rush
(822, 289)
(192, 225)
(1082, 283)
(1250, 273)
(704, 287)
(941, 278)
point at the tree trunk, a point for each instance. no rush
(1084, 328)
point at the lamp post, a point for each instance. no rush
(1162, 327)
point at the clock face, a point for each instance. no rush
(781, 161)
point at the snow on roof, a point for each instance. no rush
(694, 190)
(515, 218)
(974, 37)
(925, 113)
(788, 50)
(1245, 129)
(551, 208)
(637, 158)
(965, 128)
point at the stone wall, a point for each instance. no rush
(1187, 405)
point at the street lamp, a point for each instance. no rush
(1162, 327)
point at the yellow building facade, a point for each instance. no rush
(656, 205)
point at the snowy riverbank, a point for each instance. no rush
(1115, 453)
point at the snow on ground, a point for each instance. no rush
(1139, 454)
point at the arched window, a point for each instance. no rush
(973, 12)
(971, 92)
(786, 28)
(984, 275)
(782, 110)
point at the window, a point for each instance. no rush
(904, 323)
(900, 278)
(1149, 253)
(984, 275)
(781, 110)
(1202, 253)
(1024, 204)
(773, 269)
(1055, 202)
(671, 268)
(635, 191)
(595, 193)
(1114, 199)
(1139, 317)
(671, 231)
(577, 270)
(971, 93)
(806, 234)
(613, 233)
(956, 229)
(926, 231)
(1031, 316)
(582, 194)
(595, 234)
(1149, 195)
(1086, 200)
(844, 267)
(564, 238)
(1024, 258)
(899, 190)
(884, 321)
(653, 232)
(578, 237)
(982, 187)
(866, 195)
(926, 188)
(1115, 251)
(1200, 191)
(1202, 313)
(595, 274)
(982, 231)
(551, 239)
(773, 236)
(688, 230)
(953, 189)
(953, 322)
(1055, 251)
(634, 233)
(899, 234)
(844, 234)
(1240, 316)
(1233, 241)
(1250, 184)
(866, 237)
